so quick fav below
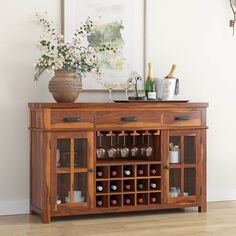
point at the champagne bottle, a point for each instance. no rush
(99, 188)
(171, 73)
(114, 187)
(150, 92)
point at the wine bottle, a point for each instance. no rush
(153, 185)
(153, 172)
(99, 188)
(153, 199)
(127, 172)
(114, 173)
(114, 187)
(127, 186)
(113, 202)
(127, 201)
(140, 186)
(99, 203)
(149, 84)
(140, 171)
(99, 174)
(171, 73)
(140, 200)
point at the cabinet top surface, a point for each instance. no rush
(101, 106)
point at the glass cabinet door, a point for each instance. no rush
(182, 166)
(72, 168)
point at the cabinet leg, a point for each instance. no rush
(202, 208)
(46, 219)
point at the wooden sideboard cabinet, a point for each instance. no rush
(88, 158)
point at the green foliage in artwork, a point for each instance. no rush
(108, 36)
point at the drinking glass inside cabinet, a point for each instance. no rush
(142, 147)
(118, 145)
(111, 150)
(134, 151)
(148, 148)
(124, 150)
(101, 151)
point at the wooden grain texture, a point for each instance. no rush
(169, 118)
(126, 106)
(47, 126)
(36, 118)
(57, 119)
(218, 221)
(46, 175)
(113, 119)
(36, 169)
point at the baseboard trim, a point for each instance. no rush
(14, 207)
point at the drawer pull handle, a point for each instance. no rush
(129, 119)
(179, 118)
(72, 119)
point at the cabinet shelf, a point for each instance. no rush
(63, 170)
(176, 166)
(66, 170)
(125, 161)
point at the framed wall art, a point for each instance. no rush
(120, 23)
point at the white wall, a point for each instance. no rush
(193, 34)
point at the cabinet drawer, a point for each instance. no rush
(71, 119)
(128, 119)
(191, 118)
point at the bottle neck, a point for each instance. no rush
(150, 74)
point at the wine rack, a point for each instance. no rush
(132, 182)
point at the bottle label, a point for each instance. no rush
(152, 95)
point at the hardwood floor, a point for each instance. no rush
(220, 220)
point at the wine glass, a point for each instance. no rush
(134, 150)
(143, 148)
(110, 86)
(124, 150)
(111, 150)
(118, 147)
(126, 86)
(100, 150)
(149, 149)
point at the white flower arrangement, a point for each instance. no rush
(77, 56)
